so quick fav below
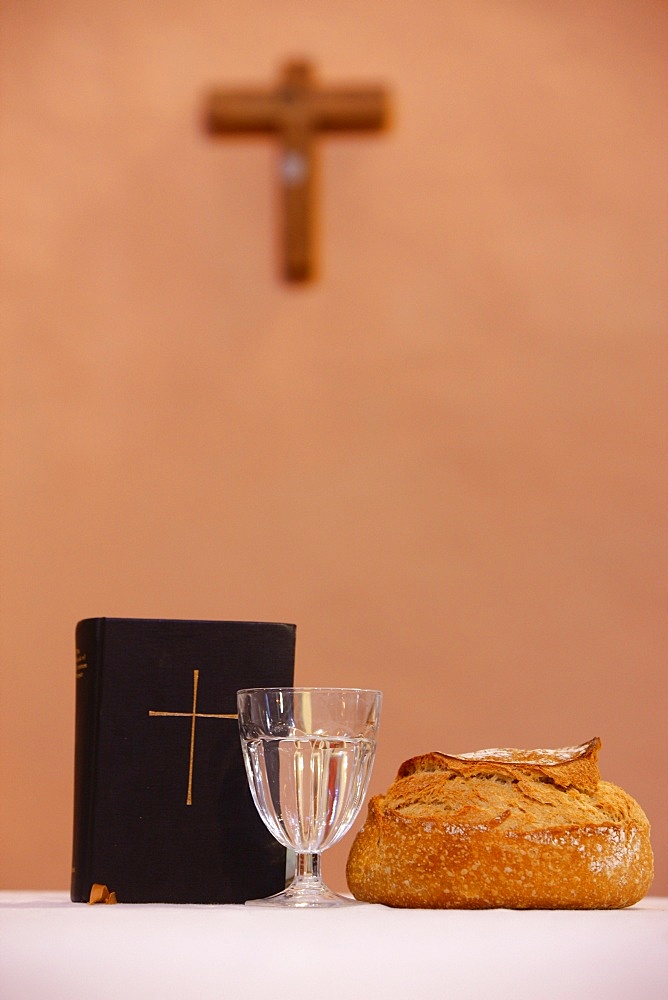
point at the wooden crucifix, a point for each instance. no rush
(296, 111)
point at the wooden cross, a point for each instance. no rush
(296, 111)
(193, 715)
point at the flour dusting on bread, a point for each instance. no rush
(560, 755)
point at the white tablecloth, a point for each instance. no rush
(57, 950)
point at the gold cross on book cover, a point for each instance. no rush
(193, 715)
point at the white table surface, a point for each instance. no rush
(57, 950)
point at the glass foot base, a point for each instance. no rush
(310, 896)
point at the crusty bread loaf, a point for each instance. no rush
(519, 829)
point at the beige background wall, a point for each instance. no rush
(445, 460)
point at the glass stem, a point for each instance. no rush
(307, 868)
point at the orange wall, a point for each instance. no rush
(445, 460)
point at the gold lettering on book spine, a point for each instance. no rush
(82, 663)
(193, 715)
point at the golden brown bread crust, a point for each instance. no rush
(503, 828)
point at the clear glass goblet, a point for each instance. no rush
(308, 754)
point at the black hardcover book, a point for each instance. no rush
(162, 808)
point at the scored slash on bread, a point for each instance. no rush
(565, 767)
(503, 828)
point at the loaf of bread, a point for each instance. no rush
(521, 829)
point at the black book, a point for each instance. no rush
(162, 808)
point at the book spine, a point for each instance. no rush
(89, 658)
